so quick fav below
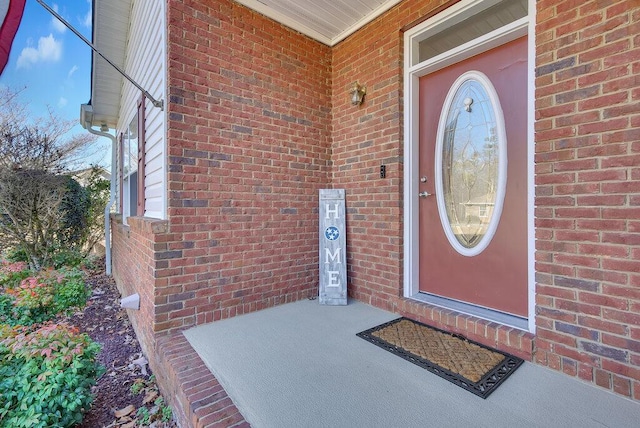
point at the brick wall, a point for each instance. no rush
(588, 191)
(196, 397)
(368, 136)
(260, 119)
(140, 259)
(249, 131)
(135, 269)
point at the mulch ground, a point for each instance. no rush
(126, 395)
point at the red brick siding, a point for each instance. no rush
(366, 137)
(133, 269)
(140, 254)
(260, 119)
(249, 131)
(588, 191)
(196, 396)
(370, 135)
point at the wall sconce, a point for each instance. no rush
(357, 93)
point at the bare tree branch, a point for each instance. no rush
(34, 155)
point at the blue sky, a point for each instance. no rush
(54, 65)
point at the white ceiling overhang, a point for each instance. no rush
(327, 21)
(110, 33)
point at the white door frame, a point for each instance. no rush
(413, 70)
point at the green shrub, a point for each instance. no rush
(72, 257)
(17, 254)
(67, 258)
(91, 262)
(75, 214)
(6, 310)
(11, 273)
(61, 257)
(41, 297)
(71, 291)
(46, 376)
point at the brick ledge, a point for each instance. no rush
(196, 397)
(504, 338)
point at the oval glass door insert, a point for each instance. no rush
(471, 163)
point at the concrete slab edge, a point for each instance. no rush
(195, 395)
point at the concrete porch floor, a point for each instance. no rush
(302, 365)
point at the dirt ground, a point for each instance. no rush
(126, 395)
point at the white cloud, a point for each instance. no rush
(49, 50)
(88, 18)
(62, 102)
(57, 24)
(73, 70)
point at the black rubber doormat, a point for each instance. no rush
(468, 364)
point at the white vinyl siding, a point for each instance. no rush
(145, 63)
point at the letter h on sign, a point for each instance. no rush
(333, 242)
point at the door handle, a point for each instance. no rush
(424, 194)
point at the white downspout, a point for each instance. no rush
(86, 120)
(112, 198)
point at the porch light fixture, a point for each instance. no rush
(357, 93)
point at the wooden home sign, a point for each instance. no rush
(333, 243)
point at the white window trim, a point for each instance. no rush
(413, 70)
(127, 210)
(502, 163)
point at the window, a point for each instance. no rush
(471, 163)
(468, 26)
(132, 160)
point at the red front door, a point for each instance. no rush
(473, 180)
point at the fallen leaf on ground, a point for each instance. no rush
(151, 395)
(125, 411)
